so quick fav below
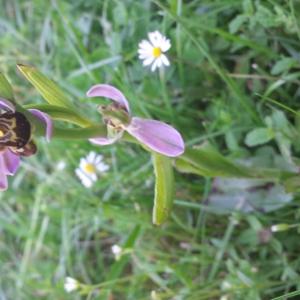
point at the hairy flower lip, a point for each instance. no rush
(156, 135)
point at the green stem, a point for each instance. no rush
(165, 93)
(79, 133)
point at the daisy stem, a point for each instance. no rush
(164, 92)
(178, 43)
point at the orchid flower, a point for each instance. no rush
(158, 136)
(16, 138)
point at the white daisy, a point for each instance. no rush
(71, 284)
(89, 168)
(152, 51)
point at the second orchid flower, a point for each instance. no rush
(158, 136)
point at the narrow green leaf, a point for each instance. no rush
(49, 90)
(164, 188)
(61, 113)
(206, 161)
(5, 88)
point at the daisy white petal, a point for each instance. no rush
(148, 61)
(145, 45)
(86, 181)
(98, 159)
(144, 56)
(154, 65)
(82, 163)
(102, 167)
(159, 62)
(91, 157)
(155, 38)
(166, 45)
(165, 60)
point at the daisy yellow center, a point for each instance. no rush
(89, 168)
(1, 133)
(156, 52)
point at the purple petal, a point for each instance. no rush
(6, 105)
(3, 178)
(45, 118)
(11, 162)
(157, 135)
(108, 91)
(106, 140)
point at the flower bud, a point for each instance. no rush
(280, 227)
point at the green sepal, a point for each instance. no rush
(6, 90)
(49, 90)
(164, 188)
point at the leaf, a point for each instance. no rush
(292, 184)
(237, 22)
(285, 64)
(206, 161)
(49, 90)
(259, 136)
(6, 91)
(247, 195)
(164, 188)
(61, 113)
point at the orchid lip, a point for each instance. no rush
(15, 138)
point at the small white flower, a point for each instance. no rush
(154, 295)
(71, 284)
(89, 167)
(280, 227)
(226, 285)
(152, 51)
(117, 251)
(61, 165)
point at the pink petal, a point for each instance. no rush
(106, 140)
(108, 91)
(11, 162)
(6, 105)
(3, 178)
(45, 118)
(103, 141)
(157, 135)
